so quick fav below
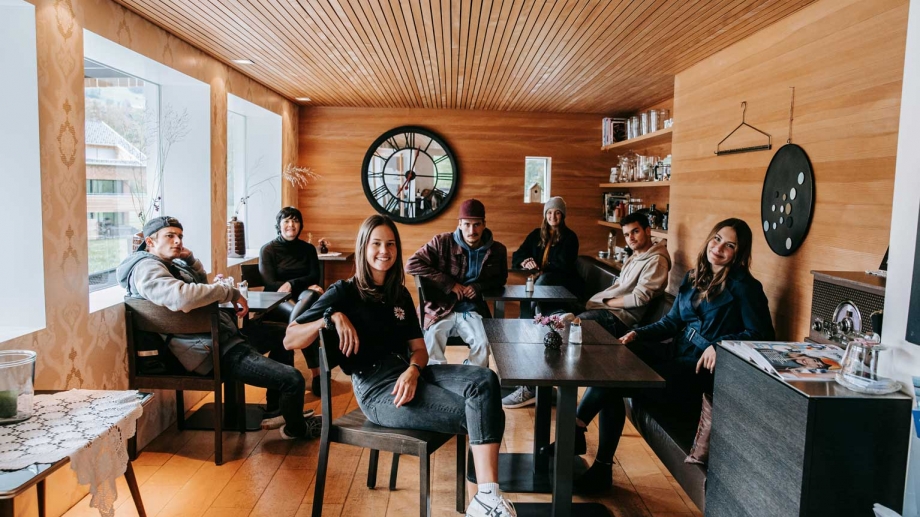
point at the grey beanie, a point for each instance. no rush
(554, 202)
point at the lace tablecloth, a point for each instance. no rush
(88, 426)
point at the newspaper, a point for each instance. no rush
(791, 360)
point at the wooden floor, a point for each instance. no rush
(263, 475)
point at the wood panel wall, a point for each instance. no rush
(490, 148)
(845, 59)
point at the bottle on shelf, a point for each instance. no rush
(654, 217)
(610, 242)
(664, 217)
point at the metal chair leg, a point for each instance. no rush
(372, 469)
(424, 482)
(218, 426)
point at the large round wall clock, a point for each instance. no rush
(409, 174)
(787, 200)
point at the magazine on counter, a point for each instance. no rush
(791, 360)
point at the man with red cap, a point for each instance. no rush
(460, 265)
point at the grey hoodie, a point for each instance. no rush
(180, 286)
(643, 277)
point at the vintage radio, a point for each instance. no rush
(845, 304)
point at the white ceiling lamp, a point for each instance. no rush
(243, 61)
(303, 99)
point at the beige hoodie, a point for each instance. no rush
(643, 277)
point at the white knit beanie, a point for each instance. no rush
(554, 203)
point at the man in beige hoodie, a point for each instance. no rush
(644, 276)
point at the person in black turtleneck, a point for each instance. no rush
(290, 265)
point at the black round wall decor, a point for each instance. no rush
(787, 200)
(410, 174)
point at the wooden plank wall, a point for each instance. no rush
(490, 148)
(845, 59)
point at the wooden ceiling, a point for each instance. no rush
(582, 56)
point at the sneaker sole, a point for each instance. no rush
(528, 402)
(268, 426)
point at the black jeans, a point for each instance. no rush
(449, 398)
(245, 364)
(282, 314)
(607, 320)
(684, 385)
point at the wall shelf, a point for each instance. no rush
(662, 234)
(636, 184)
(662, 136)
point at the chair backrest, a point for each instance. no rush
(249, 273)
(421, 283)
(150, 317)
(325, 380)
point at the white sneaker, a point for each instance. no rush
(521, 397)
(276, 422)
(500, 508)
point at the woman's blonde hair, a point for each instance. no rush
(711, 284)
(392, 289)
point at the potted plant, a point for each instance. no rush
(552, 340)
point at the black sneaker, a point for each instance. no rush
(581, 444)
(598, 478)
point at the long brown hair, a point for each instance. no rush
(547, 236)
(712, 284)
(392, 289)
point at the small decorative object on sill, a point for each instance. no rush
(324, 245)
(236, 239)
(552, 340)
(17, 378)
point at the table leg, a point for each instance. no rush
(565, 448)
(6, 507)
(322, 274)
(541, 427)
(499, 309)
(135, 491)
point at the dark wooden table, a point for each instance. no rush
(344, 257)
(517, 293)
(602, 365)
(529, 472)
(16, 482)
(260, 302)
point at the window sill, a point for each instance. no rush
(105, 298)
(9, 333)
(250, 255)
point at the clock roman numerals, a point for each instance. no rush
(394, 202)
(380, 192)
(410, 139)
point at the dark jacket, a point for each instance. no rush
(562, 255)
(444, 263)
(739, 312)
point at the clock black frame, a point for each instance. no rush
(435, 138)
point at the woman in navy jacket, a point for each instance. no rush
(718, 300)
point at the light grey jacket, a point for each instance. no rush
(644, 276)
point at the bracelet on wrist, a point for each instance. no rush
(417, 367)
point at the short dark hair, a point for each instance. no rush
(635, 217)
(288, 212)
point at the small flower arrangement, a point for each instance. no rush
(554, 322)
(324, 245)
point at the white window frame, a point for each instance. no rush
(547, 180)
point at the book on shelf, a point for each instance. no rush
(793, 361)
(613, 130)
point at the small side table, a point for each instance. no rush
(16, 482)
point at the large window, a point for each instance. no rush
(22, 299)
(123, 186)
(148, 153)
(253, 170)
(537, 172)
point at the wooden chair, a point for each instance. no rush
(145, 316)
(354, 429)
(250, 273)
(423, 284)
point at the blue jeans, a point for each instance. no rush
(449, 398)
(244, 364)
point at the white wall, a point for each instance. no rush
(22, 299)
(263, 160)
(903, 359)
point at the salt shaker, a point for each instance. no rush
(575, 332)
(244, 289)
(529, 287)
